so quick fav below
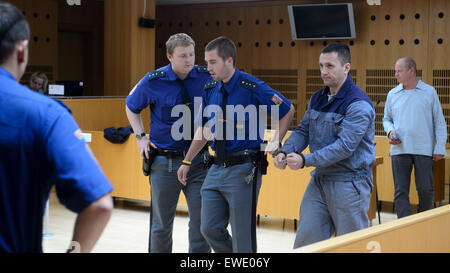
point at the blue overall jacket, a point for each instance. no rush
(340, 133)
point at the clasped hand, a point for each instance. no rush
(293, 160)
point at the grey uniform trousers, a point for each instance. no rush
(165, 191)
(230, 195)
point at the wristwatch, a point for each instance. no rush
(139, 136)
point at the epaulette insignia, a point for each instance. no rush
(202, 69)
(249, 85)
(156, 74)
(210, 85)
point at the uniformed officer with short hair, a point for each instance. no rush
(41, 146)
(174, 84)
(230, 190)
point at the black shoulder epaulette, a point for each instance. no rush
(202, 69)
(210, 85)
(249, 85)
(156, 74)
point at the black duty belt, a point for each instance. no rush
(170, 153)
(235, 159)
(173, 153)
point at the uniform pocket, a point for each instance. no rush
(347, 194)
(315, 130)
(159, 163)
(314, 115)
(324, 126)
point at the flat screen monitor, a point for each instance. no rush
(56, 90)
(72, 88)
(322, 21)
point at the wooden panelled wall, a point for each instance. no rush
(42, 17)
(261, 32)
(66, 42)
(75, 52)
(129, 49)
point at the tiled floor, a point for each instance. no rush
(127, 230)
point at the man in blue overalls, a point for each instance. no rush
(339, 128)
(230, 191)
(41, 146)
(175, 84)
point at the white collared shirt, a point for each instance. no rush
(417, 118)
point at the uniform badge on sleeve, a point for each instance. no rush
(276, 99)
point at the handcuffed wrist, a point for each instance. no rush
(304, 162)
(303, 157)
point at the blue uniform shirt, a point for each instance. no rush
(162, 90)
(251, 99)
(40, 146)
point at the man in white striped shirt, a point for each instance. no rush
(416, 128)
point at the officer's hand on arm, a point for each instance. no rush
(294, 161)
(393, 138)
(280, 161)
(272, 148)
(275, 145)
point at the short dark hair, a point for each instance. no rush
(342, 51)
(225, 48)
(13, 28)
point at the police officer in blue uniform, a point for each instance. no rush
(164, 89)
(230, 106)
(41, 146)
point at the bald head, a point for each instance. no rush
(408, 63)
(405, 72)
